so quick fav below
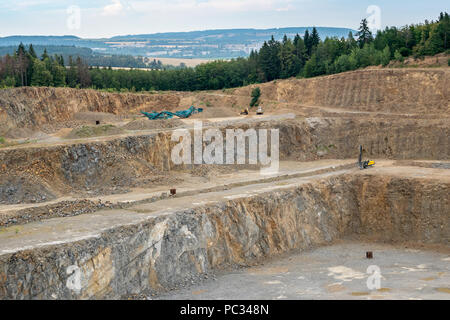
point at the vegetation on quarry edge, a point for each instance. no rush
(306, 56)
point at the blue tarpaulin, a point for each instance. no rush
(169, 115)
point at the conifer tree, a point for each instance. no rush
(315, 39)
(32, 52)
(364, 34)
(45, 55)
(307, 39)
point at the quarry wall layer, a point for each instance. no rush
(163, 250)
(43, 172)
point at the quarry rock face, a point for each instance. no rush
(33, 106)
(119, 161)
(85, 166)
(167, 250)
(60, 240)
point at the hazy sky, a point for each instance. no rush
(101, 18)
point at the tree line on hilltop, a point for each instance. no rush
(303, 56)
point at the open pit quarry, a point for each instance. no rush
(86, 210)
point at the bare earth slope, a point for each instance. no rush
(388, 90)
(33, 107)
(421, 91)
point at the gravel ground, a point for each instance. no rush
(339, 271)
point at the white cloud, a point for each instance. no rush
(113, 9)
(209, 5)
(17, 5)
(239, 5)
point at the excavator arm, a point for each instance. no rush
(364, 164)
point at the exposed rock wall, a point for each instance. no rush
(166, 251)
(31, 107)
(402, 209)
(338, 138)
(117, 162)
(89, 166)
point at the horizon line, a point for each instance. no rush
(168, 32)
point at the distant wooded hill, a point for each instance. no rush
(91, 58)
(229, 43)
(237, 35)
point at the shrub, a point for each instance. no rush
(405, 52)
(9, 82)
(398, 56)
(256, 93)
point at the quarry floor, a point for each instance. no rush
(339, 271)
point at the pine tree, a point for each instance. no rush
(443, 29)
(289, 62)
(364, 34)
(300, 51)
(296, 39)
(45, 55)
(386, 56)
(269, 59)
(41, 75)
(32, 52)
(58, 73)
(254, 75)
(315, 39)
(22, 64)
(435, 43)
(351, 41)
(21, 49)
(307, 39)
(256, 93)
(72, 74)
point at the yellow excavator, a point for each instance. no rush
(364, 164)
(244, 112)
